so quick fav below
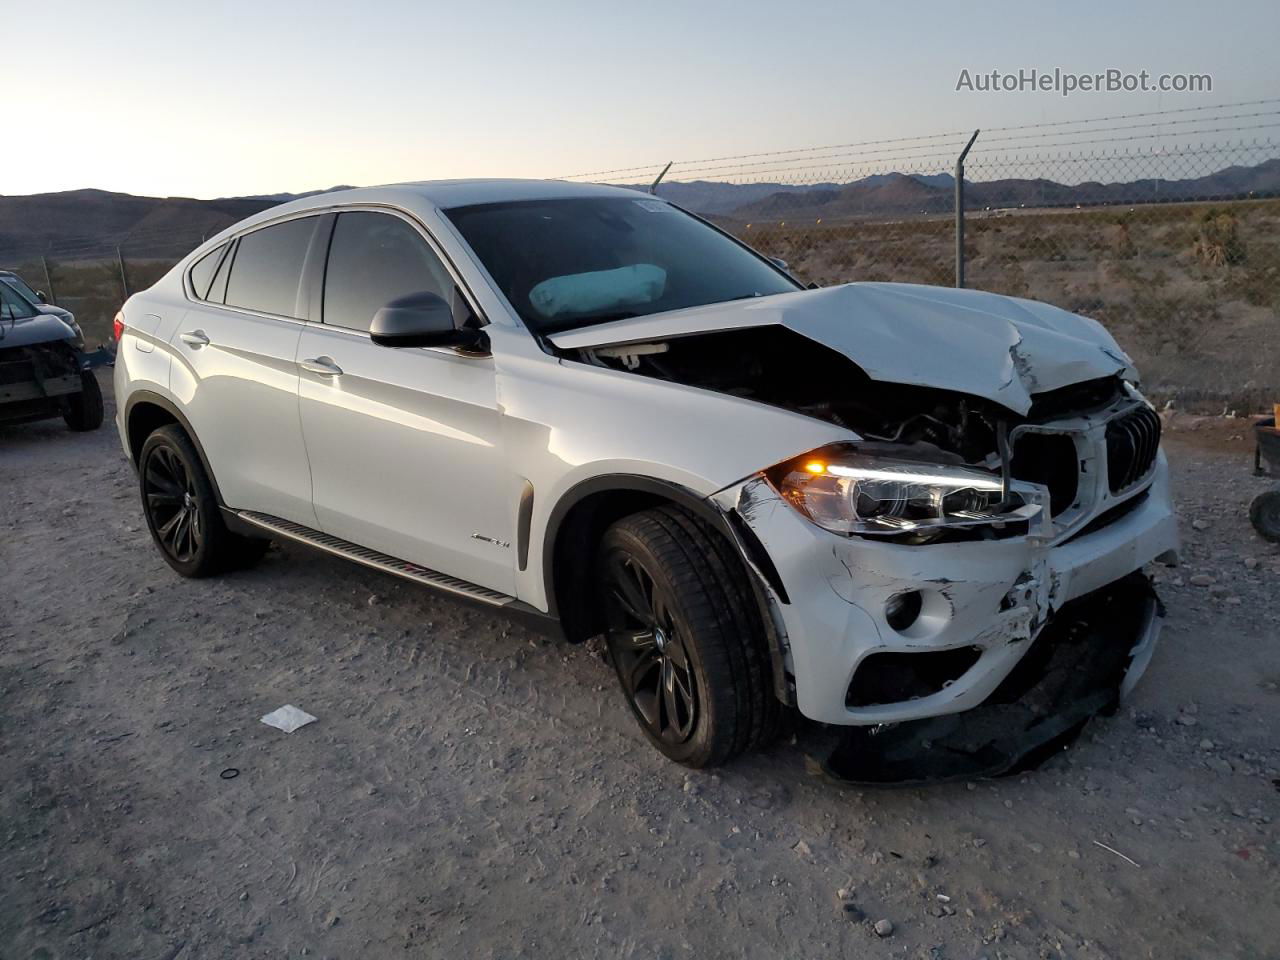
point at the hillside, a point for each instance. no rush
(90, 223)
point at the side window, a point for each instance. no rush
(268, 267)
(218, 289)
(375, 258)
(202, 273)
(13, 306)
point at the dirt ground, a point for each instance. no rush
(474, 790)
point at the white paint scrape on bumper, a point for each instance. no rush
(988, 597)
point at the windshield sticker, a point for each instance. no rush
(653, 206)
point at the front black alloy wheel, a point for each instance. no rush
(649, 652)
(685, 636)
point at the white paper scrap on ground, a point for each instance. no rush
(288, 718)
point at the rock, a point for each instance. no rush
(1202, 580)
(884, 928)
(1186, 720)
(802, 848)
(979, 842)
(1199, 524)
(374, 599)
(1251, 563)
(1206, 744)
(1036, 847)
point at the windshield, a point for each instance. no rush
(575, 262)
(21, 286)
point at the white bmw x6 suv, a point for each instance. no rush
(584, 405)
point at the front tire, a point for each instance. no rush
(685, 637)
(84, 410)
(182, 511)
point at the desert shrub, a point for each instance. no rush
(1218, 242)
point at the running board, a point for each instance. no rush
(372, 558)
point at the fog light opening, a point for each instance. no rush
(903, 609)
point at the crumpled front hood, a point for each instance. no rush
(1001, 348)
(42, 328)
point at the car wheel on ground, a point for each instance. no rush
(182, 511)
(84, 410)
(1264, 514)
(685, 637)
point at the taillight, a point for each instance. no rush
(117, 326)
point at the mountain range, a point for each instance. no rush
(87, 224)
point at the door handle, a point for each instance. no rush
(322, 366)
(194, 339)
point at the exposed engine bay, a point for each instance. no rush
(775, 365)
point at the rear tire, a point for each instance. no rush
(685, 637)
(182, 511)
(84, 410)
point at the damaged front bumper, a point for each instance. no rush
(975, 606)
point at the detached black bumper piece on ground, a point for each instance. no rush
(1073, 672)
(45, 380)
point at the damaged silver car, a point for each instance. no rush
(885, 505)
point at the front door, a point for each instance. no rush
(404, 443)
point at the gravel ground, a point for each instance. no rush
(474, 790)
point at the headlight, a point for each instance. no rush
(849, 492)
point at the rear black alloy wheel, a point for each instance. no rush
(649, 652)
(686, 636)
(173, 511)
(182, 510)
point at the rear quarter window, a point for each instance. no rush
(202, 273)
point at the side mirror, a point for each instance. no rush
(779, 263)
(41, 297)
(422, 320)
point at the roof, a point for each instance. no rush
(461, 193)
(437, 194)
(446, 194)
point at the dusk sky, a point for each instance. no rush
(230, 98)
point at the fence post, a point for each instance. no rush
(48, 279)
(960, 210)
(124, 280)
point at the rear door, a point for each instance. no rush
(404, 443)
(234, 368)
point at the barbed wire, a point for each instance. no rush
(653, 167)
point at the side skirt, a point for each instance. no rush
(253, 523)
